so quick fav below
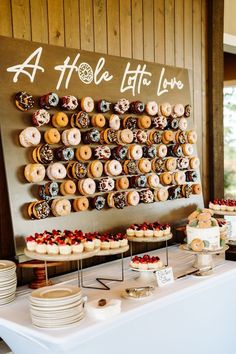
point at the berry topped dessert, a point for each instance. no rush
(146, 262)
(154, 229)
(223, 205)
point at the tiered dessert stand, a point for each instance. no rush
(231, 242)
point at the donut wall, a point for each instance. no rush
(93, 141)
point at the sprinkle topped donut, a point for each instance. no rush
(24, 101)
(49, 100)
(40, 117)
(122, 106)
(69, 102)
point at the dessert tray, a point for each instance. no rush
(113, 251)
(150, 239)
(185, 247)
(223, 212)
(60, 257)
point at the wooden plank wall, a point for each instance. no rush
(164, 31)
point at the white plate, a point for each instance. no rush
(4, 264)
(54, 327)
(53, 293)
(48, 324)
(53, 304)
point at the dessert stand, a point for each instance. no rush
(226, 213)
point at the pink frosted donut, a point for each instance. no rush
(30, 137)
(135, 152)
(87, 104)
(161, 150)
(40, 117)
(56, 171)
(183, 123)
(71, 137)
(114, 122)
(151, 108)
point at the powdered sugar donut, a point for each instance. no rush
(165, 109)
(161, 194)
(187, 149)
(30, 137)
(113, 168)
(87, 104)
(135, 152)
(71, 137)
(56, 171)
(34, 172)
(69, 102)
(153, 180)
(161, 150)
(133, 198)
(87, 186)
(61, 207)
(179, 177)
(183, 123)
(151, 108)
(40, 117)
(114, 122)
(178, 110)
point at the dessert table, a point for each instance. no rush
(190, 316)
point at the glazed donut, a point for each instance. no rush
(170, 164)
(133, 198)
(64, 153)
(68, 188)
(161, 194)
(130, 122)
(60, 120)
(69, 102)
(165, 109)
(182, 163)
(179, 177)
(29, 137)
(187, 149)
(34, 172)
(187, 110)
(49, 100)
(106, 184)
(24, 101)
(110, 199)
(146, 196)
(76, 170)
(196, 189)
(144, 122)
(56, 171)
(95, 169)
(83, 152)
(159, 122)
(165, 178)
(61, 207)
(113, 168)
(40, 117)
(167, 136)
(81, 204)
(178, 110)
(103, 106)
(130, 167)
(151, 108)
(114, 122)
(153, 180)
(144, 165)
(122, 183)
(71, 137)
(149, 151)
(183, 123)
(87, 104)
(52, 136)
(197, 245)
(98, 120)
(194, 163)
(98, 202)
(87, 186)
(126, 136)
(192, 137)
(161, 150)
(80, 120)
(135, 152)
(137, 107)
(122, 106)
(102, 152)
(140, 136)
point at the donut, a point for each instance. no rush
(161, 194)
(80, 120)
(61, 207)
(187, 110)
(76, 170)
(81, 204)
(103, 106)
(173, 123)
(144, 165)
(196, 189)
(174, 192)
(38, 210)
(182, 163)
(119, 200)
(71, 136)
(114, 122)
(187, 149)
(194, 163)
(197, 245)
(110, 199)
(137, 107)
(135, 152)
(151, 108)
(56, 171)
(125, 136)
(130, 167)
(167, 136)
(186, 190)
(34, 172)
(122, 183)
(191, 176)
(153, 180)
(181, 137)
(64, 153)
(60, 120)
(106, 184)
(30, 136)
(179, 177)
(52, 136)
(49, 100)
(69, 102)
(140, 136)
(102, 152)
(119, 153)
(170, 164)
(155, 136)
(146, 196)
(130, 122)
(192, 137)
(175, 150)
(83, 152)
(144, 122)
(68, 188)
(87, 104)
(161, 150)
(87, 186)
(91, 136)
(95, 169)
(43, 154)
(165, 109)
(183, 123)
(159, 122)
(121, 106)
(138, 181)
(98, 202)
(40, 117)
(113, 168)
(178, 110)
(49, 190)
(158, 165)
(165, 178)
(98, 120)
(133, 198)
(110, 136)
(24, 101)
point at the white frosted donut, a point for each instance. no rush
(34, 172)
(152, 108)
(135, 152)
(71, 137)
(183, 123)
(126, 136)
(114, 168)
(161, 150)
(64, 138)
(30, 136)
(40, 117)
(56, 171)
(87, 104)
(153, 180)
(114, 122)
(87, 186)
(61, 207)
(178, 110)
(187, 149)
(179, 177)
(133, 198)
(165, 109)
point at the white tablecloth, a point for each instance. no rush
(191, 316)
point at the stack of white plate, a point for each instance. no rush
(7, 282)
(56, 306)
